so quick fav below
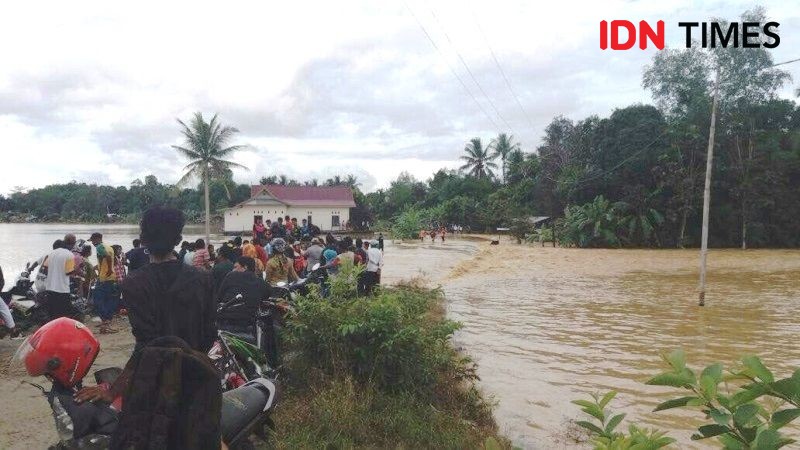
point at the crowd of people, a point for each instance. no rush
(171, 291)
(278, 251)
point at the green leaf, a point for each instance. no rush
(590, 426)
(707, 431)
(674, 403)
(584, 403)
(708, 385)
(781, 418)
(748, 394)
(607, 398)
(767, 440)
(677, 359)
(757, 369)
(744, 414)
(730, 443)
(788, 388)
(714, 371)
(613, 422)
(720, 417)
(683, 379)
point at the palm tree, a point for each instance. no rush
(502, 147)
(352, 181)
(478, 160)
(336, 180)
(205, 144)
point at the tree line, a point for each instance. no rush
(635, 178)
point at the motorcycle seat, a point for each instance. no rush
(244, 405)
(243, 330)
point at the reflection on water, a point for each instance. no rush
(549, 325)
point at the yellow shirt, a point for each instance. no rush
(105, 263)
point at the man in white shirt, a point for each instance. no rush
(59, 265)
(374, 265)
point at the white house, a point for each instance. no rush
(324, 206)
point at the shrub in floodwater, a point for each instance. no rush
(391, 339)
(748, 416)
(378, 371)
(409, 222)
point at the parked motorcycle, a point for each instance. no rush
(64, 351)
(26, 302)
(242, 350)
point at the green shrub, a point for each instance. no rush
(733, 404)
(377, 372)
(389, 339)
(409, 222)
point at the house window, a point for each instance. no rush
(335, 221)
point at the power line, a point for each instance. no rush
(449, 66)
(475, 80)
(785, 62)
(502, 72)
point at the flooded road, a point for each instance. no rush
(547, 325)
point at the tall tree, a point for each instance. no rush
(206, 146)
(501, 147)
(478, 159)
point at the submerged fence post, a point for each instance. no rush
(707, 193)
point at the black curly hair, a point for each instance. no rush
(161, 229)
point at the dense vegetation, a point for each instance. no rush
(378, 372)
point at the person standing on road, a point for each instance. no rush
(59, 265)
(105, 298)
(137, 256)
(374, 265)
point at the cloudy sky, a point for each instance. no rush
(90, 91)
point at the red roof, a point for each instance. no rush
(308, 195)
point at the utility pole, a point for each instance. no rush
(707, 192)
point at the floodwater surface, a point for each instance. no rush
(549, 325)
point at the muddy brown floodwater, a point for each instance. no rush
(547, 326)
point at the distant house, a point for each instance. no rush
(325, 206)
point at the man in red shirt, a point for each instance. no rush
(261, 253)
(287, 222)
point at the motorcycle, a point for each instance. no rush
(66, 356)
(243, 351)
(26, 302)
(289, 292)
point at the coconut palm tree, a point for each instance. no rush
(478, 159)
(502, 147)
(205, 144)
(352, 181)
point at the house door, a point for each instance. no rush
(309, 220)
(334, 222)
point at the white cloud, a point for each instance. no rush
(316, 87)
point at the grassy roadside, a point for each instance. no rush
(379, 372)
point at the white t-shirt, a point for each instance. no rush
(59, 262)
(374, 259)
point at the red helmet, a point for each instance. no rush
(62, 349)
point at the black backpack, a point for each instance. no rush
(173, 400)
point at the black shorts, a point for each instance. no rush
(58, 304)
